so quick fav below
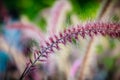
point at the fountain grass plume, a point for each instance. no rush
(90, 29)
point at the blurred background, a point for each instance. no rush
(26, 24)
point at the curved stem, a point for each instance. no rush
(27, 69)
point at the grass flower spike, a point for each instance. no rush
(89, 29)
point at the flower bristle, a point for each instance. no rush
(89, 29)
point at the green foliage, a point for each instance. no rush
(28, 7)
(115, 18)
(99, 49)
(85, 9)
(109, 62)
(74, 40)
(42, 24)
(32, 43)
(111, 43)
(68, 21)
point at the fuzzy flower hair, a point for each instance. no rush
(89, 29)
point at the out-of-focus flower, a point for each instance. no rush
(4, 59)
(12, 36)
